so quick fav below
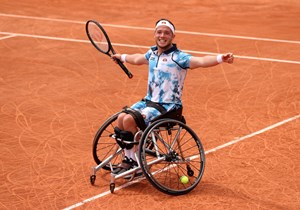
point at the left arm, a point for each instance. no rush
(209, 60)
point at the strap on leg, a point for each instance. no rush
(137, 116)
(124, 138)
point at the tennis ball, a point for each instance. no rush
(184, 179)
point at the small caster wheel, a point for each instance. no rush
(112, 187)
(92, 179)
(190, 172)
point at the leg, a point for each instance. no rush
(126, 129)
(120, 120)
(128, 124)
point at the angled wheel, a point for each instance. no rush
(104, 145)
(174, 164)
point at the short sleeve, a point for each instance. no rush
(183, 59)
(148, 54)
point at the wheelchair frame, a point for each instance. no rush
(167, 150)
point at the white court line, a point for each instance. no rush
(236, 140)
(145, 47)
(151, 29)
(8, 36)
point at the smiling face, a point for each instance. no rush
(163, 36)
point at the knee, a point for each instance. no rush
(121, 116)
(120, 120)
(128, 121)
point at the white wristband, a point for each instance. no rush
(123, 57)
(220, 58)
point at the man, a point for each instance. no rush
(167, 71)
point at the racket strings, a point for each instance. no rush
(98, 37)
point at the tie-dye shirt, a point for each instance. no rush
(167, 73)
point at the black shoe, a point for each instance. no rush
(124, 166)
(137, 174)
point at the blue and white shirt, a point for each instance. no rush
(167, 73)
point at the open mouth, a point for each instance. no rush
(162, 41)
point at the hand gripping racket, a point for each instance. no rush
(101, 42)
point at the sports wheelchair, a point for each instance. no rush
(166, 150)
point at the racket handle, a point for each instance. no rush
(125, 69)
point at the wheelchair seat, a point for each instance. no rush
(175, 114)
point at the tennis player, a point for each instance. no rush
(167, 69)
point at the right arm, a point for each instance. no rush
(209, 60)
(135, 59)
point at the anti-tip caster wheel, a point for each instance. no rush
(92, 179)
(112, 187)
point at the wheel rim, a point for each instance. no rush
(181, 154)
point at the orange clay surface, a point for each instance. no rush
(56, 90)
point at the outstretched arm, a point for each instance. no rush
(135, 59)
(208, 61)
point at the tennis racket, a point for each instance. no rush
(101, 42)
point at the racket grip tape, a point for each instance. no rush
(125, 69)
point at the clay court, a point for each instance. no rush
(57, 89)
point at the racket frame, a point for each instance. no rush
(110, 47)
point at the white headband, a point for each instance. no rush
(165, 23)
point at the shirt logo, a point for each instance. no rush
(165, 60)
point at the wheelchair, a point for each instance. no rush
(166, 150)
